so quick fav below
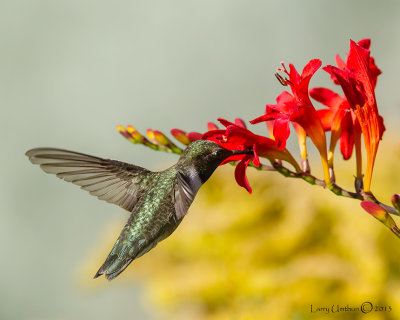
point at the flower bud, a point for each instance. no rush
(381, 214)
(181, 136)
(150, 134)
(396, 201)
(122, 131)
(164, 142)
(153, 143)
(136, 135)
(161, 138)
(193, 136)
(126, 134)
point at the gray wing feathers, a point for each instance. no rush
(110, 180)
(185, 191)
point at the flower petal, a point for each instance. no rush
(225, 122)
(281, 132)
(285, 98)
(193, 136)
(365, 43)
(239, 122)
(346, 144)
(213, 135)
(327, 97)
(340, 63)
(382, 127)
(358, 64)
(326, 116)
(240, 138)
(262, 118)
(270, 127)
(373, 69)
(256, 160)
(354, 97)
(310, 68)
(212, 126)
(347, 136)
(240, 173)
(300, 90)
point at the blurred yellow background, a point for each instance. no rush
(73, 70)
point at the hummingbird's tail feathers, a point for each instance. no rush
(129, 247)
(121, 255)
(110, 180)
(115, 264)
(112, 267)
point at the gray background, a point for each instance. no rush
(72, 70)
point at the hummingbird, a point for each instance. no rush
(158, 201)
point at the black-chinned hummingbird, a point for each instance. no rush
(158, 201)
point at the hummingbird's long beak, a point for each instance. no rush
(249, 151)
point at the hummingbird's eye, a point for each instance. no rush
(217, 153)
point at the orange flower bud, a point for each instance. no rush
(381, 214)
(161, 138)
(180, 135)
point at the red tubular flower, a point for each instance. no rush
(302, 140)
(358, 77)
(373, 69)
(236, 137)
(297, 108)
(338, 119)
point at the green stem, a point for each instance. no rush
(361, 195)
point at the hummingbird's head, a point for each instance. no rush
(205, 156)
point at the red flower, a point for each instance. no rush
(237, 137)
(358, 77)
(338, 119)
(297, 108)
(373, 69)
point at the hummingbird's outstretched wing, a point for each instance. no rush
(110, 180)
